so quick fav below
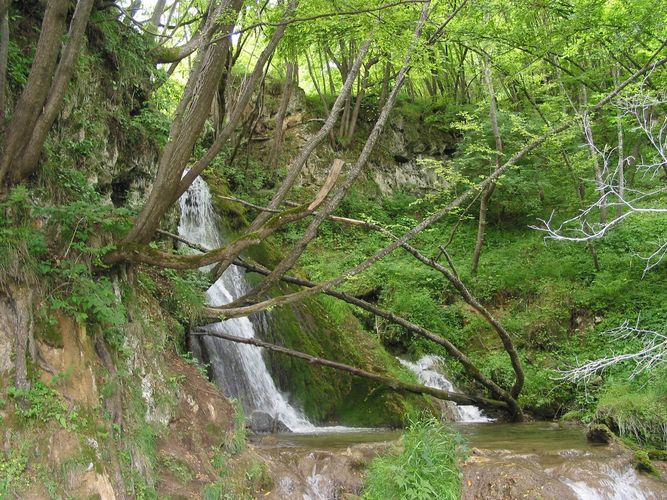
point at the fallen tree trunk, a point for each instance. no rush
(392, 383)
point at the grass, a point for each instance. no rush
(425, 468)
(639, 413)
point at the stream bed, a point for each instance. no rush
(539, 460)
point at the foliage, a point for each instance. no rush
(636, 412)
(426, 467)
(43, 404)
(13, 465)
(237, 442)
(177, 467)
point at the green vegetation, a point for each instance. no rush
(43, 404)
(637, 411)
(99, 122)
(425, 467)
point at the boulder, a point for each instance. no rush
(599, 433)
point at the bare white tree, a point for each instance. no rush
(651, 354)
(647, 109)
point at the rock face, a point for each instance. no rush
(404, 160)
(412, 158)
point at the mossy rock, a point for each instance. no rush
(658, 455)
(599, 433)
(642, 463)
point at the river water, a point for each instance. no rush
(538, 460)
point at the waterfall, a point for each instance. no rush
(238, 369)
(428, 374)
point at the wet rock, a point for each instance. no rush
(642, 462)
(599, 433)
(261, 421)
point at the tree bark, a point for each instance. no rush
(277, 144)
(32, 151)
(192, 112)
(31, 100)
(488, 191)
(4, 56)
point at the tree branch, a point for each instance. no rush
(392, 383)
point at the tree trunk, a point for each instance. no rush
(385, 84)
(191, 114)
(276, 146)
(311, 231)
(32, 151)
(488, 192)
(304, 154)
(481, 227)
(157, 13)
(620, 149)
(33, 97)
(322, 94)
(4, 55)
(588, 134)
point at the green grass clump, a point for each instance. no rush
(636, 413)
(426, 468)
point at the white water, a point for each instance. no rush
(428, 373)
(239, 369)
(609, 484)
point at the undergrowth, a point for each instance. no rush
(639, 413)
(425, 468)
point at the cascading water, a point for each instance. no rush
(427, 372)
(238, 369)
(609, 484)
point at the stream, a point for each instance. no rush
(504, 461)
(538, 460)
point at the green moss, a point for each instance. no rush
(48, 332)
(643, 463)
(232, 214)
(326, 328)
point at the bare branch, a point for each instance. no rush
(652, 353)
